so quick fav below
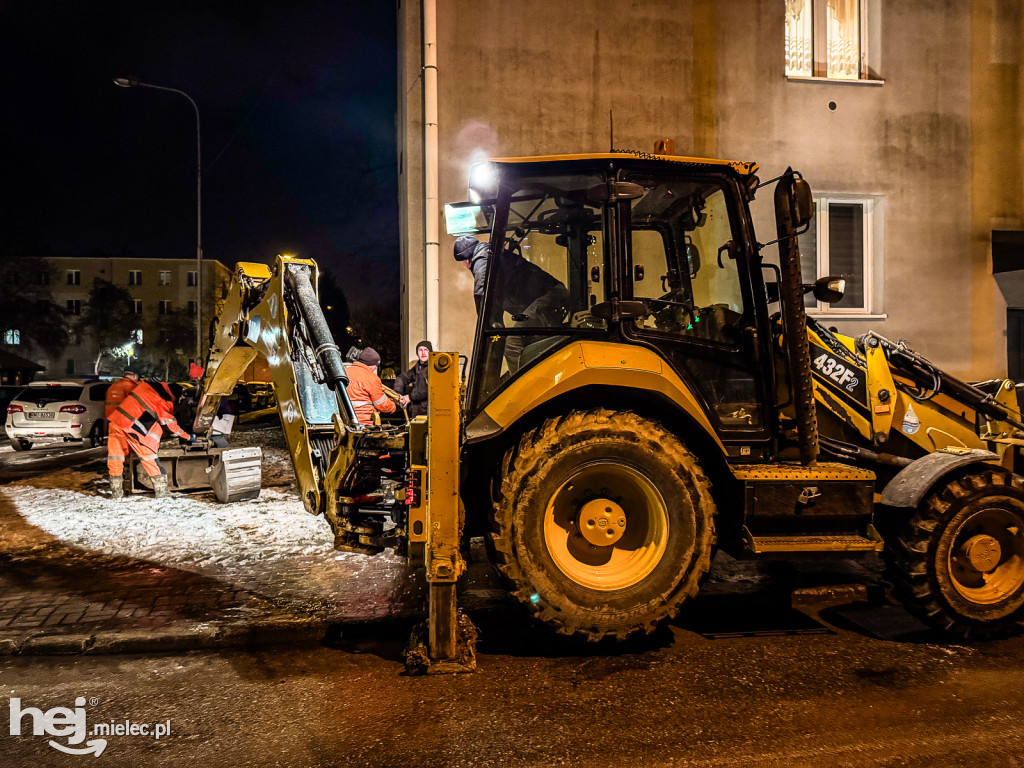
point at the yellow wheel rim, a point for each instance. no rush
(986, 559)
(607, 526)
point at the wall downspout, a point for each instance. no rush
(431, 236)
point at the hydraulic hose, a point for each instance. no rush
(797, 350)
(327, 353)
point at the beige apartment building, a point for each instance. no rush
(905, 117)
(159, 289)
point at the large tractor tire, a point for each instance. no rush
(958, 563)
(603, 524)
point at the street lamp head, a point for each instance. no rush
(125, 82)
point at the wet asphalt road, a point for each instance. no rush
(835, 698)
(16, 465)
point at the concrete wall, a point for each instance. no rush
(939, 139)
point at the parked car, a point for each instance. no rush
(57, 411)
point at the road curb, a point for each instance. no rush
(203, 636)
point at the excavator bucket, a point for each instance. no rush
(235, 474)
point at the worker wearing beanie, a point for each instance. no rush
(364, 387)
(412, 384)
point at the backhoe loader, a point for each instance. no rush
(684, 402)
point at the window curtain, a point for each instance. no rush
(799, 38)
(844, 39)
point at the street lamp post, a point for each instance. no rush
(125, 82)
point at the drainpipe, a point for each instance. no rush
(431, 236)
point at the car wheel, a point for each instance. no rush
(20, 445)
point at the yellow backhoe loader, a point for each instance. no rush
(671, 398)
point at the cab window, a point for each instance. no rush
(682, 266)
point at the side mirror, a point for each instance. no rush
(829, 289)
(692, 259)
(803, 203)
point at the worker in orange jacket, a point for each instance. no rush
(365, 389)
(137, 425)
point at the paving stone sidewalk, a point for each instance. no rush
(55, 601)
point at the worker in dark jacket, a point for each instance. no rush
(412, 384)
(475, 255)
(533, 298)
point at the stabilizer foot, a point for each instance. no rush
(417, 656)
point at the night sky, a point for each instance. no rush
(297, 105)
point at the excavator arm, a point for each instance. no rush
(273, 312)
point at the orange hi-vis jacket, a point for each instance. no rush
(367, 393)
(116, 393)
(144, 412)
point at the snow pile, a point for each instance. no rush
(181, 530)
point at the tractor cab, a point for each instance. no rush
(657, 254)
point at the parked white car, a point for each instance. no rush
(57, 411)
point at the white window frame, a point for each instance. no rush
(193, 279)
(12, 336)
(871, 237)
(137, 336)
(137, 306)
(870, 30)
(165, 277)
(134, 277)
(165, 307)
(74, 277)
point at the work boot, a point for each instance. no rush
(160, 487)
(117, 486)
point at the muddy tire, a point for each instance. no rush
(958, 563)
(603, 524)
(20, 445)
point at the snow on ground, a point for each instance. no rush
(180, 531)
(270, 545)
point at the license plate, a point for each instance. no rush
(40, 415)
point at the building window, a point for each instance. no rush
(74, 277)
(825, 38)
(134, 277)
(69, 368)
(137, 336)
(165, 307)
(44, 278)
(193, 279)
(192, 308)
(74, 306)
(841, 241)
(12, 336)
(137, 306)
(165, 277)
